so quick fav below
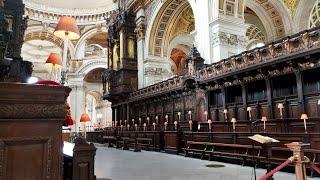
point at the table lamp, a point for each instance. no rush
(304, 117)
(54, 63)
(66, 29)
(264, 120)
(234, 120)
(85, 118)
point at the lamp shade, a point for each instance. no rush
(304, 116)
(319, 102)
(67, 28)
(280, 106)
(233, 120)
(264, 118)
(249, 108)
(54, 59)
(85, 118)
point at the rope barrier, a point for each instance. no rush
(281, 166)
(314, 167)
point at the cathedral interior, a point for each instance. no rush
(192, 89)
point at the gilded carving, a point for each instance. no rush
(292, 5)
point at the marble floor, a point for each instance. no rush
(115, 164)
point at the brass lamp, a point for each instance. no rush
(304, 117)
(85, 118)
(66, 29)
(54, 62)
(234, 120)
(225, 112)
(264, 120)
(280, 107)
(249, 111)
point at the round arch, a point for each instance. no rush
(155, 19)
(90, 33)
(265, 19)
(41, 32)
(302, 15)
(90, 65)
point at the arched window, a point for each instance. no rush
(314, 19)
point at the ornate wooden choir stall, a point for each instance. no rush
(211, 110)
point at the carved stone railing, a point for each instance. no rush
(271, 53)
(172, 84)
(83, 16)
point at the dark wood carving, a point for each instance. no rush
(30, 134)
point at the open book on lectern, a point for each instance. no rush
(263, 139)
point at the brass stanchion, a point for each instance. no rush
(299, 159)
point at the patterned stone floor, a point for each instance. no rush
(114, 164)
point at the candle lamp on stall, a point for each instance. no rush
(136, 127)
(190, 115)
(166, 117)
(209, 123)
(249, 109)
(144, 126)
(280, 107)
(140, 121)
(176, 125)
(157, 120)
(190, 125)
(234, 120)
(179, 116)
(132, 121)
(199, 127)
(125, 122)
(304, 117)
(264, 120)
(206, 114)
(154, 126)
(225, 112)
(128, 126)
(121, 127)
(148, 120)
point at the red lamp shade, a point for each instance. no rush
(67, 29)
(84, 118)
(54, 59)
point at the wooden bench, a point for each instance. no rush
(238, 151)
(130, 142)
(145, 143)
(111, 140)
(211, 150)
(195, 148)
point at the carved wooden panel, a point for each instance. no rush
(293, 111)
(190, 102)
(36, 151)
(178, 104)
(312, 108)
(264, 111)
(241, 113)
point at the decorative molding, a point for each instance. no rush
(83, 16)
(28, 111)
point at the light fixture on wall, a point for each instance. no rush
(54, 63)
(66, 29)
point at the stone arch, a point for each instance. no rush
(285, 15)
(46, 33)
(270, 17)
(85, 37)
(157, 30)
(90, 65)
(302, 15)
(265, 18)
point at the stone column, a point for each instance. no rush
(140, 32)
(77, 101)
(223, 24)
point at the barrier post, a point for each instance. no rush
(299, 160)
